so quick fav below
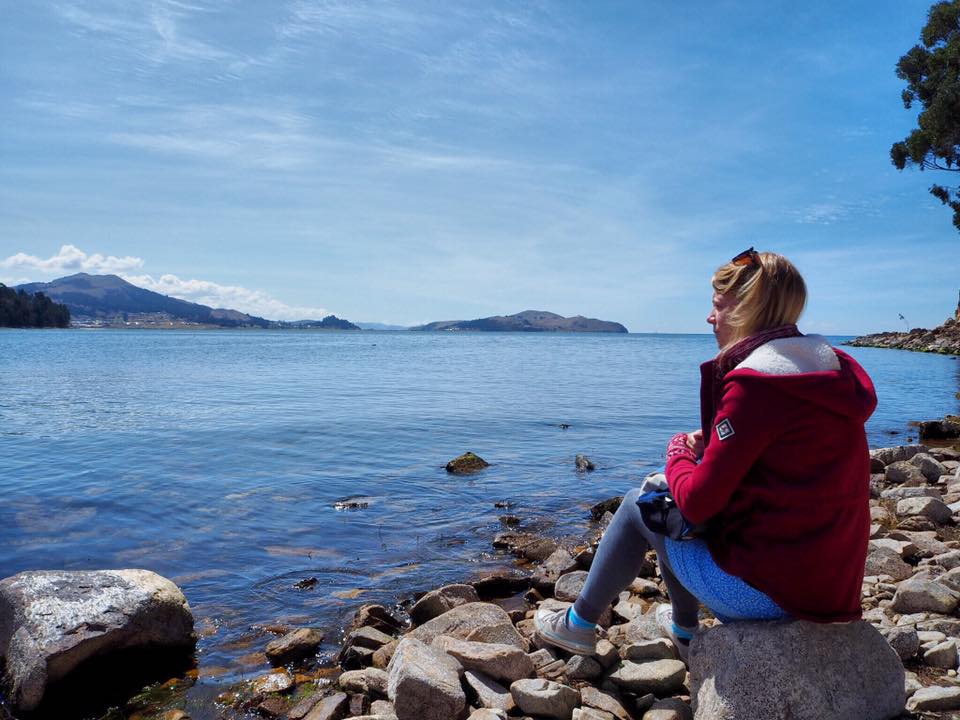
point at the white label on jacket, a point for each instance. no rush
(724, 430)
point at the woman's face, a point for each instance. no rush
(719, 313)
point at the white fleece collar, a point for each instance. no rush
(792, 356)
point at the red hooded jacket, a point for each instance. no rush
(783, 484)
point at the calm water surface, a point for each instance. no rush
(215, 458)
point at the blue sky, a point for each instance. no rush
(405, 162)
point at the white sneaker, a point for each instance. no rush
(664, 616)
(554, 629)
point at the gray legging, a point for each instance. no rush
(618, 562)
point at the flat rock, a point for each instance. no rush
(660, 677)
(545, 698)
(669, 709)
(886, 561)
(496, 660)
(607, 702)
(424, 683)
(51, 622)
(660, 649)
(568, 586)
(480, 622)
(934, 699)
(928, 507)
(794, 671)
(294, 646)
(586, 713)
(487, 692)
(915, 596)
(942, 655)
(437, 602)
(369, 681)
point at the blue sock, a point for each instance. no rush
(681, 633)
(578, 621)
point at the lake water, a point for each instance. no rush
(215, 458)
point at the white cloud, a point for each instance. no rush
(234, 297)
(71, 259)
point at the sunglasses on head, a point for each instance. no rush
(747, 258)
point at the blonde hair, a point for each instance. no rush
(766, 295)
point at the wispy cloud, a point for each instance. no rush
(71, 259)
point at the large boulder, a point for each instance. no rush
(437, 602)
(505, 663)
(52, 622)
(477, 621)
(919, 595)
(424, 683)
(795, 671)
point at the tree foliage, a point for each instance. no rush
(932, 73)
(21, 309)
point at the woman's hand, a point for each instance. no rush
(695, 442)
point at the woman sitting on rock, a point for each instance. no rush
(778, 477)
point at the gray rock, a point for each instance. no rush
(568, 586)
(580, 667)
(487, 714)
(437, 602)
(487, 692)
(932, 469)
(499, 661)
(51, 622)
(669, 709)
(545, 698)
(928, 507)
(525, 545)
(795, 670)
(607, 653)
(660, 649)
(382, 708)
(480, 621)
(885, 561)
(559, 563)
(951, 579)
(948, 561)
(896, 454)
(904, 473)
(914, 596)
(369, 681)
(606, 702)
(334, 707)
(942, 655)
(294, 646)
(899, 493)
(934, 699)
(582, 713)
(424, 683)
(660, 677)
(904, 641)
(369, 637)
(275, 682)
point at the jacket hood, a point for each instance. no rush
(809, 368)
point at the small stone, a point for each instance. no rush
(487, 692)
(545, 698)
(606, 653)
(466, 464)
(333, 707)
(934, 699)
(924, 596)
(377, 616)
(359, 705)
(559, 563)
(543, 657)
(500, 662)
(886, 561)
(487, 714)
(606, 702)
(271, 707)
(568, 586)
(382, 708)
(437, 602)
(931, 468)
(660, 677)
(904, 640)
(609, 505)
(669, 709)
(294, 646)
(661, 649)
(942, 655)
(586, 713)
(381, 656)
(274, 682)
(580, 667)
(369, 637)
(903, 472)
(928, 507)
(369, 681)
(525, 545)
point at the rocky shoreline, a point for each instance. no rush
(468, 650)
(944, 339)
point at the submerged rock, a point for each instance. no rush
(294, 646)
(584, 464)
(51, 622)
(466, 464)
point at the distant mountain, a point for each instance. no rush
(111, 300)
(527, 321)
